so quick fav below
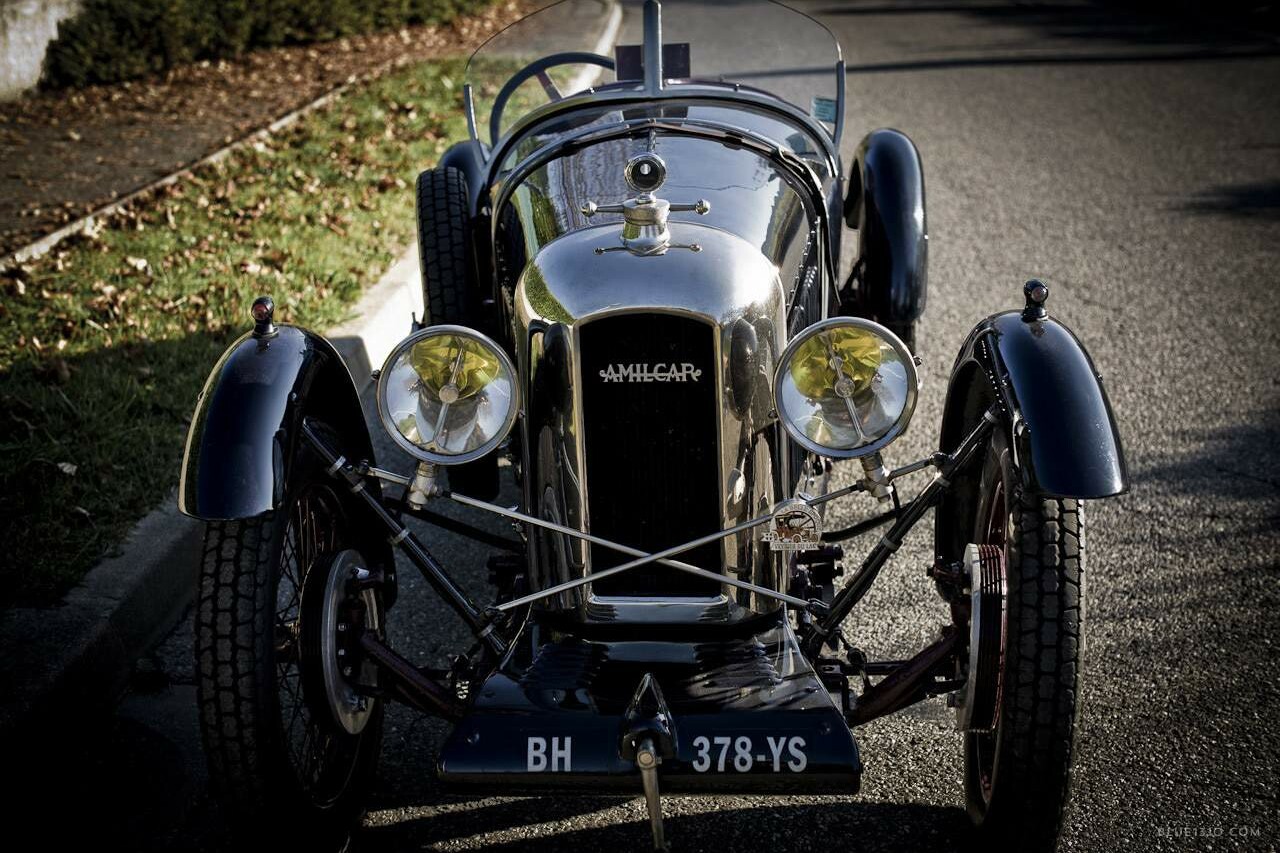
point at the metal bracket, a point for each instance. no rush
(861, 581)
(432, 571)
(483, 623)
(424, 486)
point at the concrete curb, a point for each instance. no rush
(71, 663)
(87, 222)
(381, 318)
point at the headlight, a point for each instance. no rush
(448, 395)
(845, 387)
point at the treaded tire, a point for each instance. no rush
(444, 248)
(239, 678)
(1026, 762)
(449, 289)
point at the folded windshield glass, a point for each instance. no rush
(576, 45)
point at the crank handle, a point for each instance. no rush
(591, 208)
(701, 207)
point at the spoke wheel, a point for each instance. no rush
(321, 758)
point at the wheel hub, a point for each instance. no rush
(979, 708)
(333, 618)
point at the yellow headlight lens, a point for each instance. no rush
(859, 354)
(454, 360)
(845, 387)
(448, 395)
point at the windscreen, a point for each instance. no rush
(575, 45)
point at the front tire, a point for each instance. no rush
(279, 764)
(1018, 777)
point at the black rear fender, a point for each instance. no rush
(885, 202)
(468, 158)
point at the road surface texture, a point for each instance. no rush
(1134, 165)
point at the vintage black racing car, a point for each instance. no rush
(632, 290)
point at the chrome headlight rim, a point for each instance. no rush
(431, 456)
(909, 406)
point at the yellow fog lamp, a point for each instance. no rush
(845, 387)
(448, 395)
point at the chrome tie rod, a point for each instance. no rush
(642, 557)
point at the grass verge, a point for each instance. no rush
(105, 343)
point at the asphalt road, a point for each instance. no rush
(1134, 165)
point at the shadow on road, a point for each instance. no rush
(995, 61)
(1036, 35)
(777, 826)
(1238, 465)
(1130, 21)
(1260, 200)
(1059, 59)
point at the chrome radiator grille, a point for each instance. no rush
(650, 422)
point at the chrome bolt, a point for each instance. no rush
(646, 757)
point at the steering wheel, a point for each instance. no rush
(539, 68)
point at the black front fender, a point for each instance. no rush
(247, 420)
(1064, 433)
(468, 157)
